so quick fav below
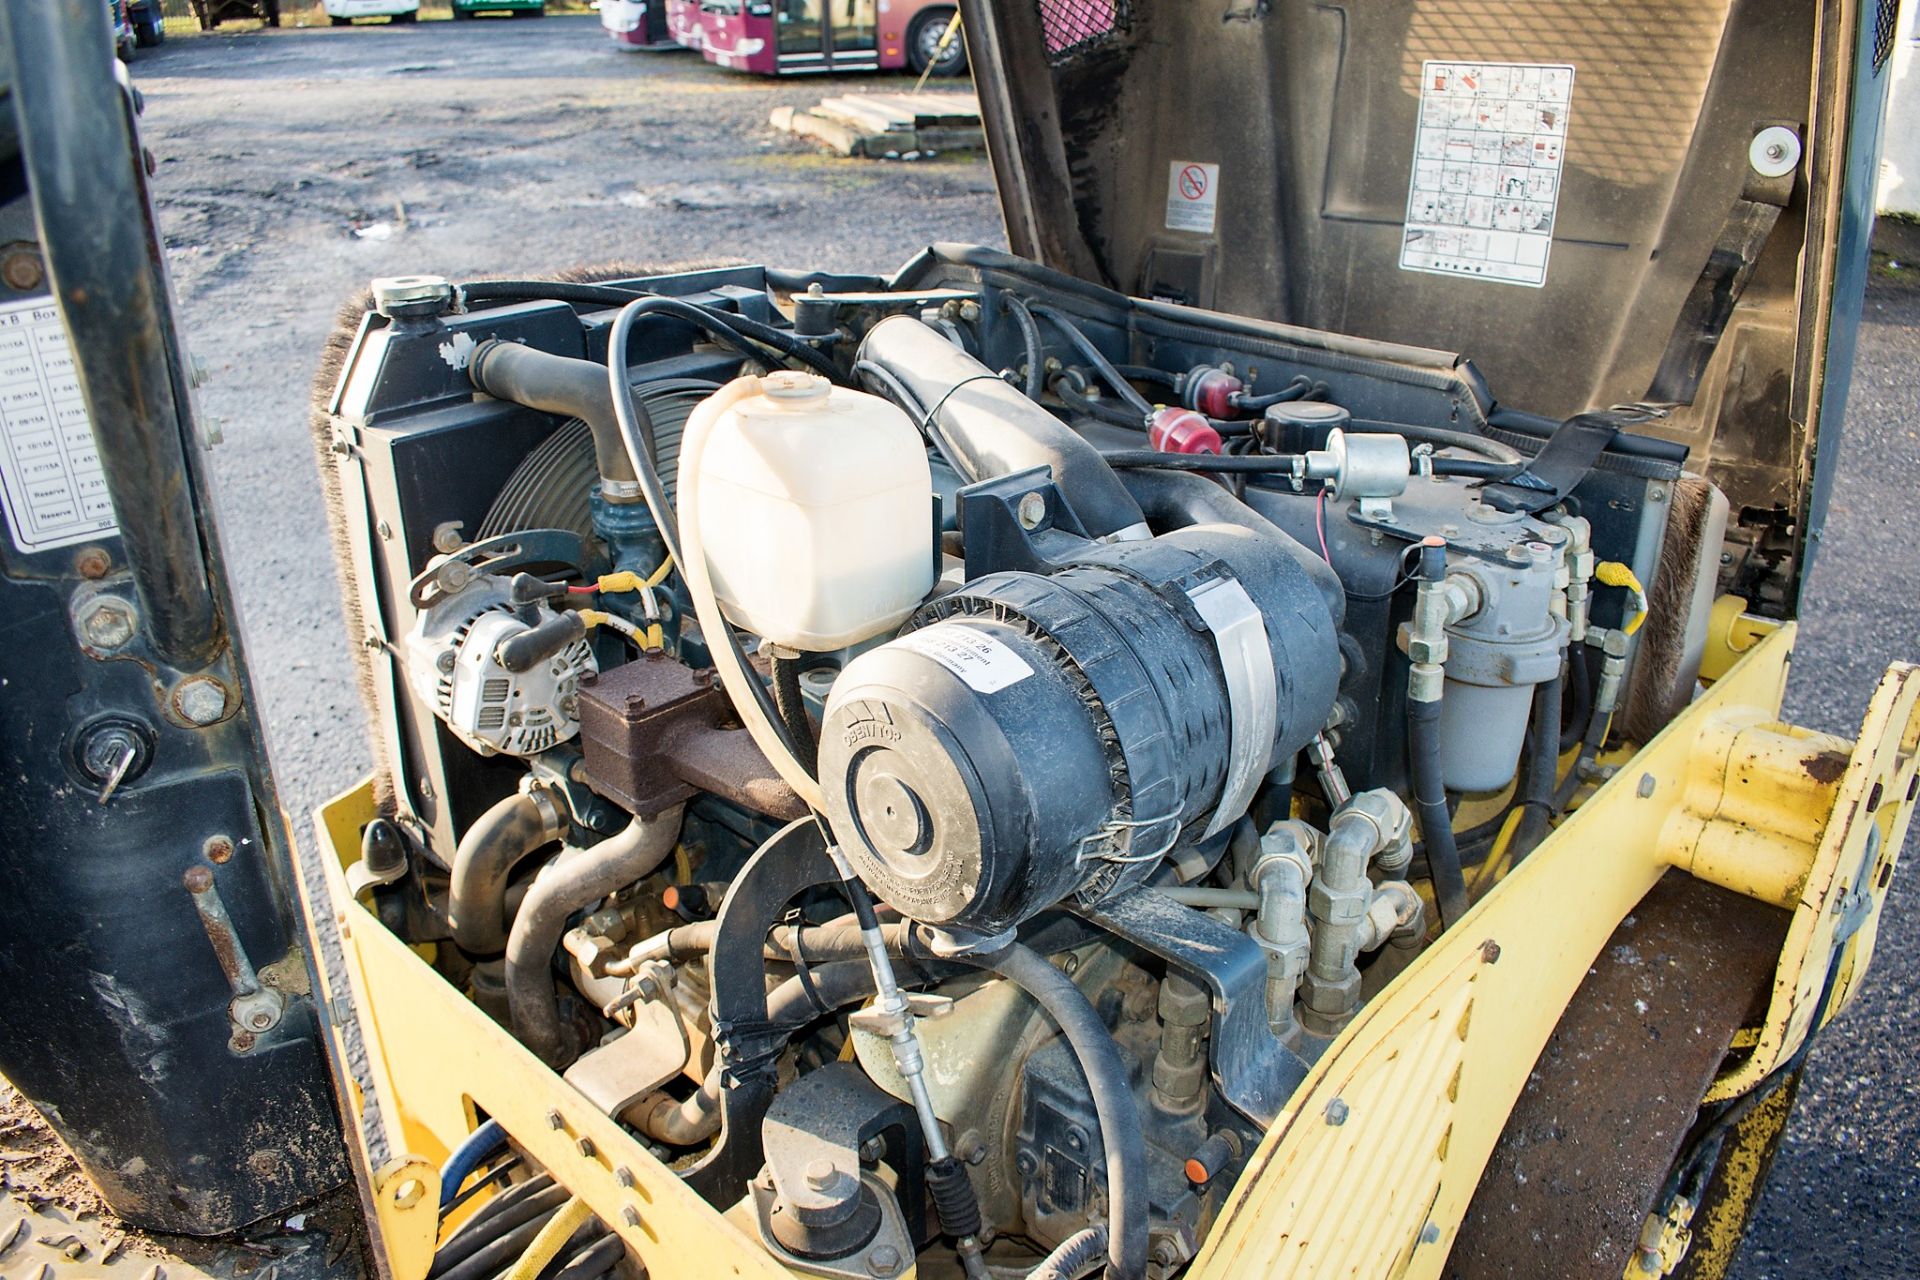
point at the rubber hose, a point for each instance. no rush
(574, 880)
(1543, 768)
(553, 1237)
(1580, 691)
(1111, 414)
(1471, 468)
(1440, 437)
(1036, 379)
(1095, 357)
(478, 1147)
(495, 1256)
(1147, 373)
(498, 841)
(477, 1233)
(1430, 800)
(1074, 1257)
(792, 707)
(1121, 1135)
(728, 327)
(560, 385)
(594, 1260)
(1294, 390)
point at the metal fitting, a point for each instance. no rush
(107, 622)
(200, 700)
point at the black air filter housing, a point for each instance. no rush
(1037, 737)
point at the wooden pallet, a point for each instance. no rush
(888, 125)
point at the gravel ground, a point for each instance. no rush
(295, 166)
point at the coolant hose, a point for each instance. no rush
(574, 880)
(498, 841)
(787, 700)
(1430, 800)
(993, 430)
(563, 385)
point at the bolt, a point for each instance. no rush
(1658, 493)
(1430, 1234)
(630, 1215)
(198, 375)
(92, 564)
(262, 1020)
(1519, 554)
(1336, 1113)
(971, 1148)
(1076, 1140)
(623, 1176)
(197, 879)
(1647, 784)
(213, 430)
(240, 1041)
(1776, 152)
(1032, 510)
(1070, 965)
(884, 1261)
(586, 1147)
(219, 850)
(872, 1149)
(107, 623)
(201, 700)
(555, 1121)
(445, 661)
(22, 269)
(821, 1174)
(385, 531)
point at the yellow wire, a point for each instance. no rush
(1612, 573)
(546, 1246)
(627, 580)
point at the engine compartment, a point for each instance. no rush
(1127, 694)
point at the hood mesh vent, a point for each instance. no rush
(1074, 26)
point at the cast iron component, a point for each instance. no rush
(656, 734)
(1037, 738)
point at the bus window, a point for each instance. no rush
(799, 25)
(853, 25)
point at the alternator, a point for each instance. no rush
(502, 674)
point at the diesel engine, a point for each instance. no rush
(939, 757)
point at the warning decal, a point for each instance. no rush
(1193, 196)
(1487, 162)
(50, 476)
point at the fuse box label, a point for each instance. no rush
(50, 478)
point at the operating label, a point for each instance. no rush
(983, 662)
(50, 479)
(1487, 160)
(1193, 196)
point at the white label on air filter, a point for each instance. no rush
(983, 662)
(50, 479)
(1193, 196)
(1487, 160)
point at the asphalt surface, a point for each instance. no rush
(295, 166)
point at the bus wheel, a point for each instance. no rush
(923, 43)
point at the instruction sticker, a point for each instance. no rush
(1193, 196)
(983, 662)
(50, 479)
(1487, 161)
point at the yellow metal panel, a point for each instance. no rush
(1516, 958)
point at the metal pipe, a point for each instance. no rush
(81, 153)
(1340, 902)
(1281, 877)
(498, 841)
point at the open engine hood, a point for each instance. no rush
(1593, 201)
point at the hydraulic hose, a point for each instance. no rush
(1095, 357)
(1440, 437)
(1036, 379)
(1430, 800)
(515, 1209)
(1574, 726)
(564, 385)
(498, 841)
(574, 880)
(1543, 768)
(479, 1147)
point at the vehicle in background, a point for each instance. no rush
(341, 13)
(124, 41)
(793, 37)
(149, 26)
(635, 25)
(683, 23)
(211, 13)
(516, 8)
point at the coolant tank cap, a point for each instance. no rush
(791, 386)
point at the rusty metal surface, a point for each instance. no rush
(1616, 1088)
(655, 734)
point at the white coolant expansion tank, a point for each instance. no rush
(813, 509)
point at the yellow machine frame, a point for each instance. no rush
(1369, 1169)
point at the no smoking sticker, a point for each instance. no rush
(1193, 196)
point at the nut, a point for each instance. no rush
(92, 563)
(1337, 1112)
(1032, 510)
(884, 1261)
(200, 700)
(107, 623)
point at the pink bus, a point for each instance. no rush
(793, 37)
